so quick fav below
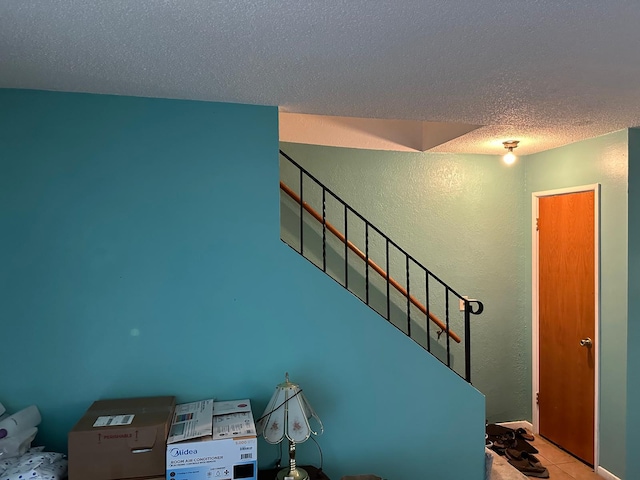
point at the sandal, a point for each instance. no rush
(528, 469)
(508, 440)
(524, 434)
(533, 460)
(513, 454)
(487, 443)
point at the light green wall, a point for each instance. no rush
(601, 160)
(464, 216)
(633, 356)
(468, 218)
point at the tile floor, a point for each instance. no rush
(560, 464)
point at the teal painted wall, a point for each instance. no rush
(141, 256)
(460, 216)
(633, 333)
(601, 160)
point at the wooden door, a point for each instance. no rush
(566, 293)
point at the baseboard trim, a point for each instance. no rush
(605, 474)
(517, 424)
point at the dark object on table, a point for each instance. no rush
(361, 477)
(314, 473)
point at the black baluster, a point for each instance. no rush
(301, 216)
(366, 254)
(426, 296)
(467, 340)
(346, 250)
(448, 337)
(324, 230)
(388, 299)
(408, 297)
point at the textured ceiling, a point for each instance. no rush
(545, 72)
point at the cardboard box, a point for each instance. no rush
(228, 450)
(121, 439)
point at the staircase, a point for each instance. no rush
(320, 226)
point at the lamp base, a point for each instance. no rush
(297, 474)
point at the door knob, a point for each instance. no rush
(586, 342)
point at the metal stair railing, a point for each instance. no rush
(471, 307)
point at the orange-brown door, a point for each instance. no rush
(566, 293)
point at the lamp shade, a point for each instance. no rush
(287, 415)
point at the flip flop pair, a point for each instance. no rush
(525, 434)
(507, 440)
(528, 464)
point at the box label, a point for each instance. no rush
(113, 420)
(191, 420)
(213, 460)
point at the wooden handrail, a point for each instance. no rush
(370, 262)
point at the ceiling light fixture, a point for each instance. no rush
(510, 157)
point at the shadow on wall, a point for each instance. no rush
(354, 272)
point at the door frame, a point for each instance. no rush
(535, 197)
